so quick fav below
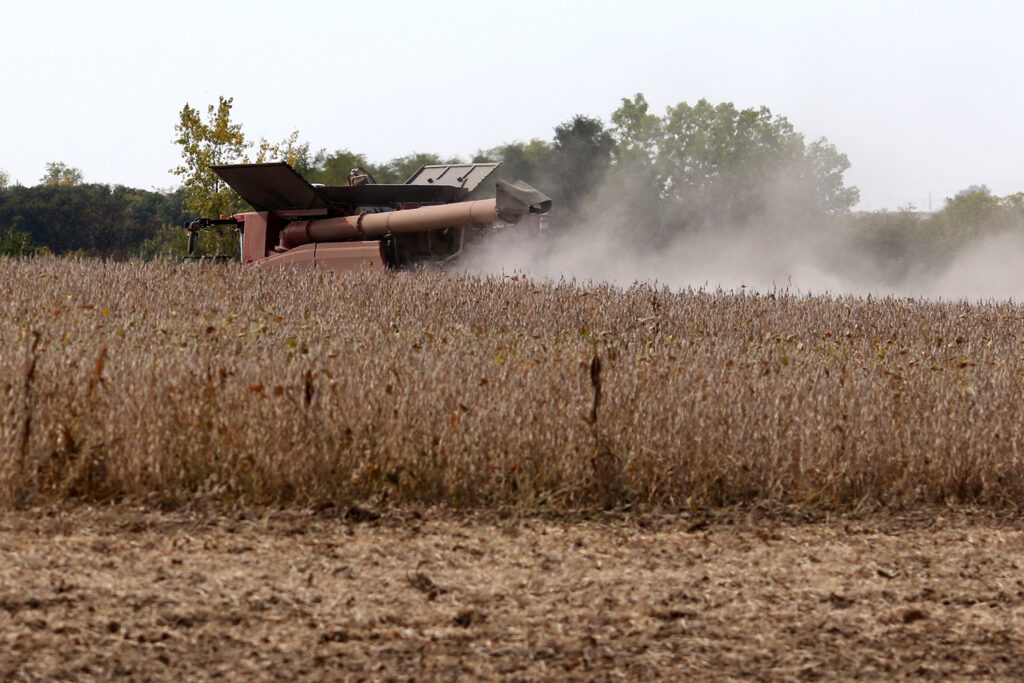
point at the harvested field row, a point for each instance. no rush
(92, 594)
(168, 383)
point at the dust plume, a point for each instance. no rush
(989, 270)
(621, 241)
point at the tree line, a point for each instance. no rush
(696, 167)
(64, 214)
(905, 244)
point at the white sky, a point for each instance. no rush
(925, 98)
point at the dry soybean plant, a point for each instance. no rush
(166, 384)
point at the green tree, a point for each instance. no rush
(637, 132)
(973, 214)
(90, 217)
(5, 179)
(17, 243)
(400, 169)
(827, 166)
(905, 244)
(60, 174)
(569, 168)
(531, 162)
(582, 155)
(894, 243)
(716, 165)
(332, 168)
(635, 178)
(717, 161)
(1014, 204)
(527, 161)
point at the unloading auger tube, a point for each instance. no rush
(512, 202)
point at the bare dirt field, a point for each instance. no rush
(95, 593)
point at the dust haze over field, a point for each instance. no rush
(770, 252)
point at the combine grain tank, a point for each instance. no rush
(365, 224)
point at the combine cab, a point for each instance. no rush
(365, 224)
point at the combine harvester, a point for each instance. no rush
(366, 225)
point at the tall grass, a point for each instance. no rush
(158, 383)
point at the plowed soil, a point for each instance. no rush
(91, 594)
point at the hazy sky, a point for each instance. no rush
(925, 98)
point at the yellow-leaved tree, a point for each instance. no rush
(209, 141)
(205, 143)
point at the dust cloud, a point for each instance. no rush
(990, 270)
(766, 254)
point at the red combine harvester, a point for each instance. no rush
(365, 224)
